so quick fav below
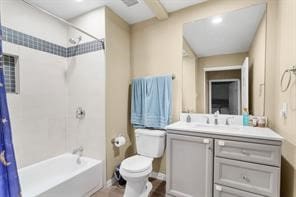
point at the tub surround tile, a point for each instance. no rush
(44, 85)
(19, 38)
(84, 48)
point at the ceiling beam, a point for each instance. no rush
(157, 8)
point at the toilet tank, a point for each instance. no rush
(150, 143)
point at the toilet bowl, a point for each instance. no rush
(136, 169)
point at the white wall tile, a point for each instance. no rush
(52, 87)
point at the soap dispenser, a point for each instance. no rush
(188, 118)
(246, 117)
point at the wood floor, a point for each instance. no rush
(158, 190)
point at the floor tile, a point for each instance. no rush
(158, 190)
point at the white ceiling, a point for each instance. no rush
(234, 35)
(174, 5)
(71, 8)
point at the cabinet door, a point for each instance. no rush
(189, 166)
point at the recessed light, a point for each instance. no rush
(217, 20)
(79, 0)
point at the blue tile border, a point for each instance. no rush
(19, 38)
(84, 48)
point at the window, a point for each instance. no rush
(10, 73)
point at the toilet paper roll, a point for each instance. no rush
(119, 141)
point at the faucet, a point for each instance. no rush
(207, 119)
(79, 152)
(216, 114)
(227, 122)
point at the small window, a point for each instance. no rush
(10, 73)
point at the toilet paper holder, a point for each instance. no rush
(119, 135)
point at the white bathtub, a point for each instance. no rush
(61, 176)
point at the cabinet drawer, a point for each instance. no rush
(223, 191)
(251, 152)
(250, 177)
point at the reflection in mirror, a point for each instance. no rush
(224, 63)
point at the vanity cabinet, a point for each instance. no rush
(189, 166)
(205, 165)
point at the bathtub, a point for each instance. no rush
(61, 176)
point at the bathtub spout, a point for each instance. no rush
(79, 152)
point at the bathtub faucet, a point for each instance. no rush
(79, 152)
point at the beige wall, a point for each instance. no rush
(117, 88)
(189, 67)
(157, 45)
(281, 47)
(189, 84)
(226, 74)
(257, 70)
(213, 61)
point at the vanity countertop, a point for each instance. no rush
(232, 130)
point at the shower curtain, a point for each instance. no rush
(9, 181)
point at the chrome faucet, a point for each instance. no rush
(207, 119)
(79, 152)
(227, 122)
(216, 115)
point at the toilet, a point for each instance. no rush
(136, 169)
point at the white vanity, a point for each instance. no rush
(206, 160)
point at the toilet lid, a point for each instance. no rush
(136, 163)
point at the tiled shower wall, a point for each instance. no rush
(22, 39)
(55, 78)
(85, 79)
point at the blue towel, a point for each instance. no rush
(151, 102)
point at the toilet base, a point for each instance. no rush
(144, 193)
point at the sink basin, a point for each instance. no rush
(217, 127)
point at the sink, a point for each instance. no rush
(217, 127)
(204, 127)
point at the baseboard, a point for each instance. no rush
(158, 175)
(110, 182)
(93, 191)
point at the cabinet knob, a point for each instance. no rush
(245, 178)
(219, 188)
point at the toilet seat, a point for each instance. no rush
(136, 164)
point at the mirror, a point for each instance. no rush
(224, 63)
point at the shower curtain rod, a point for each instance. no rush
(62, 20)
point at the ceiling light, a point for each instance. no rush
(79, 0)
(217, 20)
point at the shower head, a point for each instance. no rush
(75, 41)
